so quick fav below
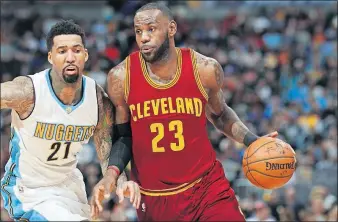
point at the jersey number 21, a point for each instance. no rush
(55, 147)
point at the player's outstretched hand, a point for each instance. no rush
(274, 134)
(129, 189)
(101, 191)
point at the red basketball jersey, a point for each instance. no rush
(170, 140)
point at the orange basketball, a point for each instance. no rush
(269, 163)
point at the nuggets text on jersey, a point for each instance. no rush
(61, 132)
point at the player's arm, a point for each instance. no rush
(122, 148)
(104, 136)
(18, 95)
(104, 131)
(120, 152)
(217, 111)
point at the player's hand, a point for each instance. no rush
(129, 189)
(102, 191)
(274, 134)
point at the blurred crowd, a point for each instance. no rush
(280, 68)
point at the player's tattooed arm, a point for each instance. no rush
(18, 95)
(104, 129)
(116, 92)
(218, 112)
(107, 146)
(104, 133)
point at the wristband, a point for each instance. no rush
(249, 138)
(117, 171)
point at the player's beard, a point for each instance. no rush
(70, 78)
(160, 54)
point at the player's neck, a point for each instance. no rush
(69, 94)
(166, 67)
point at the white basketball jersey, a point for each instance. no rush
(44, 146)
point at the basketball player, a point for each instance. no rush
(165, 93)
(54, 113)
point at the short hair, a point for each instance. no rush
(64, 27)
(156, 5)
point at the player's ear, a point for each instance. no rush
(50, 58)
(172, 28)
(86, 55)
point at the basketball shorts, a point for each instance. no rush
(66, 201)
(210, 199)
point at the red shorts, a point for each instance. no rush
(212, 199)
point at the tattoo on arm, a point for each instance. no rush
(116, 92)
(239, 131)
(104, 130)
(112, 109)
(219, 74)
(218, 112)
(229, 123)
(116, 83)
(18, 95)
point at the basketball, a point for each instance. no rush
(269, 163)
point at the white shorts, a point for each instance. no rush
(66, 201)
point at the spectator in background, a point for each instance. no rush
(261, 213)
(333, 213)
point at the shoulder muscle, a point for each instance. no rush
(116, 92)
(115, 83)
(210, 71)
